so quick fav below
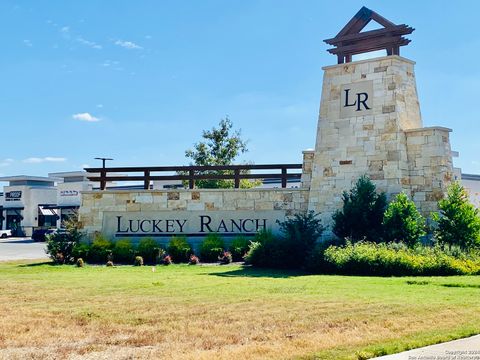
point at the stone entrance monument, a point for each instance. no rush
(370, 123)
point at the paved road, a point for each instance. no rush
(21, 248)
(462, 349)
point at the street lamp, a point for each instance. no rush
(103, 160)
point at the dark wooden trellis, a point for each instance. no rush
(351, 41)
(193, 173)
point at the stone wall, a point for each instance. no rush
(95, 204)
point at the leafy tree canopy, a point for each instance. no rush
(220, 146)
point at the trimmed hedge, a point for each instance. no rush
(366, 258)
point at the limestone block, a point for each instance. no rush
(177, 204)
(263, 205)
(173, 195)
(185, 195)
(194, 206)
(159, 198)
(142, 198)
(133, 207)
(244, 204)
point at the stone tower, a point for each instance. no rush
(370, 123)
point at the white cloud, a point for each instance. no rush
(127, 44)
(38, 160)
(27, 43)
(89, 43)
(99, 106)
(65, 29)
(6, 162)
(85, 117)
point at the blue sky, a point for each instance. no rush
(139, 80)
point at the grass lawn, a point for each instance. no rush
(224, 312)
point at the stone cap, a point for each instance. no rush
(441, 128)
(157, 191)
(389, 57)
(308, 151)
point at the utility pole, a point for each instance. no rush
(103, 160)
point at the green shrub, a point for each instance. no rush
(265, 250)
(149, 250)
(179, 249)
(402, 222)
(211, 248)
(123, 251)
(138, 261)
(300, 234)
(362, 213)
(458, 220)
(100, 249)
(60, 246)
(365, 258)
(239, 247)
(315, 261)
(81, 251)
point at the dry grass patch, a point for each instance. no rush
(205, 312)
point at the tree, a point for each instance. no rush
(362, 213)
(458, 220)
(221, 146)
(402, 221)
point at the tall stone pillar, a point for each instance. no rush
(369, 116)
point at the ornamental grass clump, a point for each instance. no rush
(138, 261)
(80, 262)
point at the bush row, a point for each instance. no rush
(364, 258)
(101, 250)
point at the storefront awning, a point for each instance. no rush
(47, 212)
(73, 207)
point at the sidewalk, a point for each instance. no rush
(462, 349)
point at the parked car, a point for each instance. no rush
(39, 234)
(5, 233)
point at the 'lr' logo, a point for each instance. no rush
(361, 100)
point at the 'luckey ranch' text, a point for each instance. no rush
(201, 225)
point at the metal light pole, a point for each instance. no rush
(103, 160)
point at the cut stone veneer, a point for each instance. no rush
(95, 203)
(383, 140)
